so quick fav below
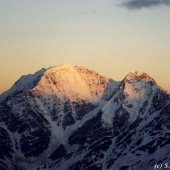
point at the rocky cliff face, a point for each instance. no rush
(69, 117)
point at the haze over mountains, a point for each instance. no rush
(71, 118)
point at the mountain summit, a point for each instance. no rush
(71, 118)
(139, 76)
(67, 82)
(73, 83)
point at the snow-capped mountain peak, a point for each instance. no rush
(138, 86)
(138, 76)
(137, 92)
(72, 83)
(69, 117)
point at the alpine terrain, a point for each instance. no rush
(71, 118)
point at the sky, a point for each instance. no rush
(109, 36)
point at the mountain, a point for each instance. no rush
(71, 118)
(24, 83)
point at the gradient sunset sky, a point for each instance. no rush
(107, 36)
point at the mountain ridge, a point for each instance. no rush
(30, 78)
(72, 118)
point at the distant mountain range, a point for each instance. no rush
(72, 118)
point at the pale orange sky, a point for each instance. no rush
(96, 34)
